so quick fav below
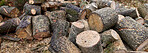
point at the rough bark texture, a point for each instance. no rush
(63, 45)
(109, 37)
(102, 19)
(71, 6)
(40, 27)
(146, 19)
(9, 11)
(102, 4)
(72, 15)
(136, 52)
(89, 42)
(48, 5)
(1, 18)
(54, 15)
(9, 25)
(140, 20)
(143, 10)
(36, 1)
(76, 28)
(132, 32)
(32, 9)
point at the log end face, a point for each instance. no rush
(31, 2)
(114, 34)
(33, 11)
(79, 25)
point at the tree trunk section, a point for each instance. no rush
(102, 4)
(89, 42)
(36, 1)
(9, 11)
(102, 19)
(143, 10)
(41, 27)
(138, 33)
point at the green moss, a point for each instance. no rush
(2, 2)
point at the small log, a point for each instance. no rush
(143, 10)
(71, 6)
(9, 11)
(72, 15)
(89, 42)
(41, 27)
(48, 5)
(24, 30)
(137, 52)
(76, 28)
(102, 4)
(54, 15)
(1, 18)
(86, 26)
(140, 20)
(138, 33)
(32, 9)
(36, 1)
(63, 45)
(9, 25)
(102, 19)
(109, 37)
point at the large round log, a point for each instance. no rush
(102, 19)
(9, 11)
(63, 45)
(89, 42)
(41, 27)
(133, 33)
(143, 10)
(9, 25)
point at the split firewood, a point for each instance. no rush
(109, 37)
(9, 25)
(138, 33)
(49, 5)
(140, 20)
(41, 27)
(143, 10)
(24, 29)
(102, 19)
(54, 15)
(32, 9)
(76, 28)
(89, 42)
(102, 4)
(1, 18)
(9, 11)
(86, 26)
(36, 1)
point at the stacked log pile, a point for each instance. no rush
(93, 26)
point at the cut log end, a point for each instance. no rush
(114, 34)
(88, 38)
(79, 25)
(95, 23)
(143, 46)
(33, 11)
(31, 2)
(113, 5)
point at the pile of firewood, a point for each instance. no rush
(112, 28)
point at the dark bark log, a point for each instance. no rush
(36, 1)
(49, 5)
(32, 9)
(71, 6)
(41, 27)
(143, 10)
(76, 28)
(9, 11)
(24, 29)
(63, 45)
(140, 20)
(72, 15)
(54, 15)
(89, 42)
(138, 33)
(1, 18)
(102, 19)
(109, 37)
(102, 4)
(9, 25)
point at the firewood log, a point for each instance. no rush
(137, 52)
(133, 33)
(9, 11)
(24, 29)
(140, 20)
(32, 9)
(48, 5)
(41, 27)
(143, 10)
(71, 6)
(102, 4)
(146, 19)
(72, 15)
(1, 18)
(86, 26)
(9, 25)
(102, 19)
(89, 42)
(63, 45)
(36, 1)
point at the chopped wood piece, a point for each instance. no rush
(63, 45)
(89, 42)
(109, 37)
(32, 9)
(143, 10)
(76, 28)
(1, 18)
(48, 5)
(102, 4)
(133, 33)
(9, 11)
(9, 25)
(140, 20)
(86, 26)
(41, 27)
(36, 1)
(102, 19)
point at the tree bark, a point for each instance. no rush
(36, 1)
(32, 9)
(136, 52)
(63, 45)
(41, 27)
(102, 19)
(146, 19)
(1, 18)
(72, 15)
(48, 5)
(140, 20)
(9, 11)
(71, 6)
(138, 33)
(9, 25)
(89, 42)
(143, 10)
(102, 4)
